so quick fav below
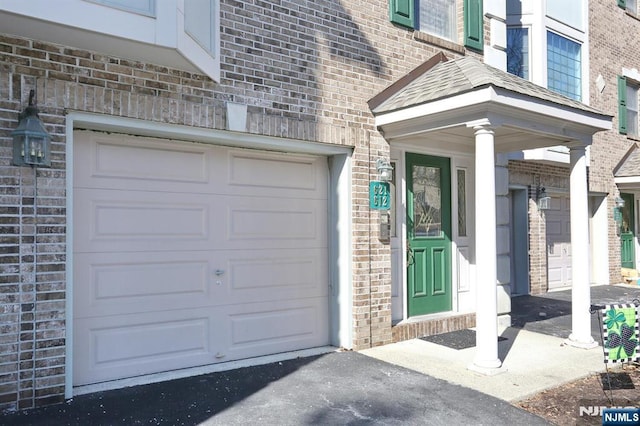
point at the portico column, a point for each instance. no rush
(580, 280)
(486, 358)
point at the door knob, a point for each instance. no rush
(219, 272)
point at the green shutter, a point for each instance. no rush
(622, 3)
(473, 24)
(622, 104)
(401, 12)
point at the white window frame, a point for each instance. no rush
(633, 111)
(528, 58)
(581, 54)
(453, 18)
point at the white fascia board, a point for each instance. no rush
(504, 105)
(443, 105)
(200, 134)
(573, 116)
(627, 179)
(547, 154)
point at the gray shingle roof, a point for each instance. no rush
(630, 165)
(457, 76)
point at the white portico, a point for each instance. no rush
(463, 107)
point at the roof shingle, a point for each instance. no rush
(457, 76)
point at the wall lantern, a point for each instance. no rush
(31, 142)
(619, 202)
(385, 170)
(543, 200)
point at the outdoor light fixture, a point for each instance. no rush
(31, 142)
(619, 202)
(544, 201)
(385, 170)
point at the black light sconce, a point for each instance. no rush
(31, 142)
(543, 200)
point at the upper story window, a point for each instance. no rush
(440, 18)
(628, 94)
(564, 66)
(630, 5)
(518, 51)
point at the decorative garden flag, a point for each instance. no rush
(620, 331)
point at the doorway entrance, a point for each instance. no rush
(428, 234)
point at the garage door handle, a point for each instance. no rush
(219, 272)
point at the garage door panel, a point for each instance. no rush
(108, 220)
(132, 345)
(277, 275)
(265, 328)
(119, 161)
(122, 283)
(190, 254)
(148, 164)
(269, 173)
(275, 220)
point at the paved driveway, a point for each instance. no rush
(344, 388)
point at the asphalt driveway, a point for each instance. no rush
(343, 388)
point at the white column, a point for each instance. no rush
(580, 281)
(486, 359)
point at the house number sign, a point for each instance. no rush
(379, 195)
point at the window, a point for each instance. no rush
(628, 93)
(564, 74)
(632, 110)
(439, 17)
(629, 5)
(518, 51)
(462, 202)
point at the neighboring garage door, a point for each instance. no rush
(559, 242)
(189, 254)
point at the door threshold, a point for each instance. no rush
(428, 317)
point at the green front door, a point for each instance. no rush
(428, 234)
(627, 233)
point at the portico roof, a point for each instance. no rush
(445, 98)
(627, 172)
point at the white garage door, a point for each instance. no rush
(558, 242)
(189, 254)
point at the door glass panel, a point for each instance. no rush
(462, 203)
(427, 201)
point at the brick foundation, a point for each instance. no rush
(429, 327)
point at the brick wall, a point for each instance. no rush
(305, 69)
(610, 51)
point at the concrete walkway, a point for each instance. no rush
(532, 362)
(534, 353)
